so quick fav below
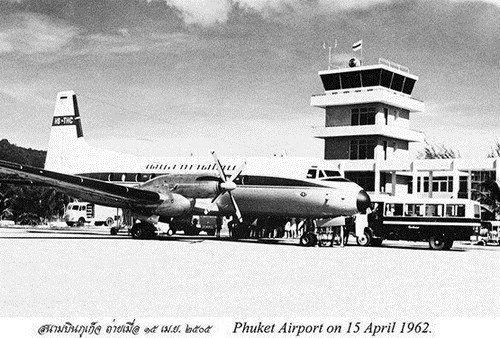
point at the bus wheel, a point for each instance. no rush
(365, 239)
(437, 242)
(113, 231)
(81, 222)
(109, 221)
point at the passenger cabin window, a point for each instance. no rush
(311, 173)
(394, 209)
(434, 210)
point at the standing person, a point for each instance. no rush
(230, 226)
(300, 227)
(288, 229)
(218, 226)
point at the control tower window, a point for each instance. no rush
(331, 81)
(386, 78)
(397, 82)
(362, 149)
(362, 116)
(370, 77)
(408, 86)
(350, 80)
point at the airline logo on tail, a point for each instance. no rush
(67, 113)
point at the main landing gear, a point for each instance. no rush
(143, 230)
(308, 239)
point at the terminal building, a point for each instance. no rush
(367, 135)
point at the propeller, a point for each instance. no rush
(226, 186)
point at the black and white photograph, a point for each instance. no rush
(249, 168)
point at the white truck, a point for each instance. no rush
(83, 213)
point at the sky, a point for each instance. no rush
(172, 77)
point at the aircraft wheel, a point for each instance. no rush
(365, 239)
(437, 242)
(305, 240)
(308, 239)
(141, 231)
(137, 231)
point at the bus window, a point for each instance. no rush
(394, 209)
(455, 210)
(75, 207)
(82, 208)
(434, 210)
(414, 210)
(477, 211)
(311, 173)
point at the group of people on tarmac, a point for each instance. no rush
(270, 227)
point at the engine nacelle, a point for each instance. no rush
(174, 205)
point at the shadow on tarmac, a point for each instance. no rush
(200, 239)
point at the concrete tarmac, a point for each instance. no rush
(48, 273)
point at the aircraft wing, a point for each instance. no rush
(88, 189)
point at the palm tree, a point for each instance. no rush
(495, 152)
(433, 151)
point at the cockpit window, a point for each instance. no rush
(332, 173)
(311, 173)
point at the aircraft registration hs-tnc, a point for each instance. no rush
(164, 188)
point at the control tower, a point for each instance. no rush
(367, 120)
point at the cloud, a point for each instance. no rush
(29, 33)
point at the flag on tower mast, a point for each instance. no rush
(357, 45)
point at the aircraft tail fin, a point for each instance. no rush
(66, 134)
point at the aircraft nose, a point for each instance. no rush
(363, 201)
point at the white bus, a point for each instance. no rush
(438, 221)
(83, 213)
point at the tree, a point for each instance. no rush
(495, 152)
(28, 203)
(432, 151)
